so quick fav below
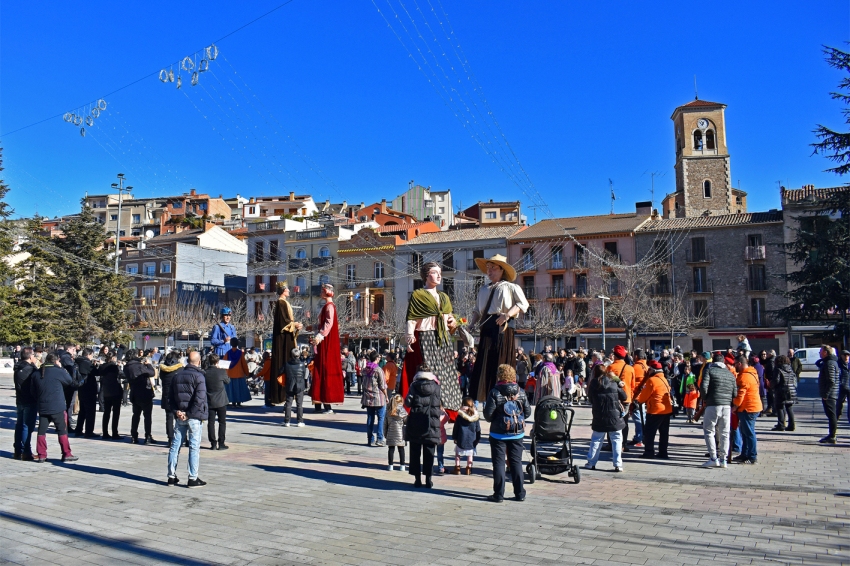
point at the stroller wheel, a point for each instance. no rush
(576, 474)
(531, 471)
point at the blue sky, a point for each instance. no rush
(583, 92)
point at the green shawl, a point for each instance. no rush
(423, 305)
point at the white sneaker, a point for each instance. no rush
(284, 424)
(300, 424)
(390, 467)
(402, 468)
(711, 463)
(721, 463)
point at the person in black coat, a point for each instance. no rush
(296, 383)
(607, 395)
(189, 401)
(784, 386)
(87, 394)
(423, 424)
(829, 380)
(506, 444)
(139, 376)
(112, 392)
(26, 405)
(48, 387)
(216, 378)
(167, 370)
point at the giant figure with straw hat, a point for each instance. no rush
(283, 341)
(497, 306)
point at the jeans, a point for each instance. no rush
(221, 414)
(373, 413)
(299, 402)
(191, 427)
(512, 450)
(784, 410)
(831, 415)
(736, 440)
(139, 409)
(425, 453)
(638, 417)
(24, 427)
(747, 427)
(661, 425)
(441, 450)
(595, 448)
(350, 381)
(716, 421)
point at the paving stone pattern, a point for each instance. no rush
(319, 495)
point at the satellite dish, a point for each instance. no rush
(149, 234)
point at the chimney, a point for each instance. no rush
(252, 200)
(193, 192)
(643, 208)
(384, 205)
(291, 195)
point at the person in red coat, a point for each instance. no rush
(327, 387)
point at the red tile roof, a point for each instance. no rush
(810, 193)
(661, 224)
(583, 226)
(700, 104)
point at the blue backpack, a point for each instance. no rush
(513, 417)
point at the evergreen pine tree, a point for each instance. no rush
(822, 244)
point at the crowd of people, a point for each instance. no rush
(437, 386)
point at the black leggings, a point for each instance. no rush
(58, 421)
(421, 459)
(391, 453)
(221, 413)
(111, 406)
(140, 409)
(783, 410)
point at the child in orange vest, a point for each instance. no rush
(690, 402)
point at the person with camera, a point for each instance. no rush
(506, 410)
(139, 373)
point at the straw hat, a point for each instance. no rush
(501, 261)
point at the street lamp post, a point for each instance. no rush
(120, 187)
(603, 298)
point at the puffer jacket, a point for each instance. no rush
(23, 389)
(394, 427)
(423, 419)
(606, 396)
(785, 384)
(718, 386)
(296, 377)
(110, 381)
(48, 387)
(829, 377)
(138, 375)
(656, 392)
(189, 393)
(467, 430)
(844, 378)
(166, 376)
(496, 399)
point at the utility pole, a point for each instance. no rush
(603, 298)
(120, 187)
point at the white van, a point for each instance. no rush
(808, 357)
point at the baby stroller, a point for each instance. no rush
(551, 448)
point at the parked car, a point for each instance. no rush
(808, 357)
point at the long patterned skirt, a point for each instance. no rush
(440, 359)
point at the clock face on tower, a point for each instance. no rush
(702, 123)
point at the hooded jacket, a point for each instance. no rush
(655, 392)
(166, 375)
(48, 387)
(138, 375)
(189, 393)
(829, 377)
(394, 427)
(110, 382)
(467, 430)
(423, 399)
(605, 398)
(626, 374)
(496, 399)
(718, 386)
(23, 389)
(748, 399)
(785, 384)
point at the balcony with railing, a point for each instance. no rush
(660, 289)
(581, 291)
(706, 319)
(702, 256)
(760, 320)
(757, 284)
(581, 262)
(527, 264)
(752, 253)
(559, 292)
(530, 292)
(326, 261)
(299, 263)
(315, 234)
(697, 287)
(557, 263)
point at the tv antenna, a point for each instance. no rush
(534, 207)
(652, 176)
(613, 196)
(696, 92)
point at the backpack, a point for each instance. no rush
(513, 418)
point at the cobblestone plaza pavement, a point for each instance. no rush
(319, 495)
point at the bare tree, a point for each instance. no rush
(539, 320)
(465, 296)
(672, 313)
(167, 317)
(202, 317)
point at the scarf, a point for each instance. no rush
(424, 305)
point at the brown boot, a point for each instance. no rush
(469, 469)
(457, 471)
